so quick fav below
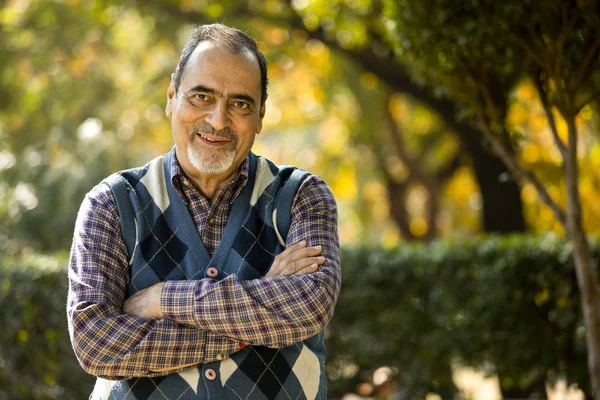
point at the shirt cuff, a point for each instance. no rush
(178, 301)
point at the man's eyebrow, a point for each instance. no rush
(239, 96)
(200, 88)
(242, 96)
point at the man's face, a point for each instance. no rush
(216, 112)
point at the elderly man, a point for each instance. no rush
(210, 272)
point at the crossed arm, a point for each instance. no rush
(115, 339)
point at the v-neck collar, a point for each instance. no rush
(187, 228)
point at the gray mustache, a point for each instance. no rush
(209, 130)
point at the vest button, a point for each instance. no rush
(210, 374)
(212, 272)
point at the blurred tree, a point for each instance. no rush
(477, 52)
(73, 95)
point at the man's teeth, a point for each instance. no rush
(204, 137)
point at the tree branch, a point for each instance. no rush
(537, 79)
(585, 67)
(591, 98)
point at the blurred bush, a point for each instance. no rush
(504, 305)
(36, 360)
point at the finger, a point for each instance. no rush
(308, 270)
(283, 259)
(289, 251)
(292, 268)
(303, 253)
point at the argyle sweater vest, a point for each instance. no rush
(164, 244)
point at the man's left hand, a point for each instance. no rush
(145, 303)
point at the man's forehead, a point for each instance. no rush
(243, 66)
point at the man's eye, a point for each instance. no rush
(241, 104)
(201, 97)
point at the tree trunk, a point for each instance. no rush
(502, 209)
(585, 269)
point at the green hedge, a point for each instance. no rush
(36, 360)
(508, 305)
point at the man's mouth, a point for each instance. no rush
(213, 139)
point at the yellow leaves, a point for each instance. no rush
(390, 237)
(396, 167)
(540, 297)
(461, 186)
(343, 185)
(315, 48)
(333, 136)
(540, 154)
(529, 194)
(562, 303)
(418, 226)
(595, 156)
(374, 191)
(526, 92)
(214, 10)
(586, 113)
(278, 36)
(319, 54)
(22, 336)
(398, 107)
(369, 81)
(531, 153)
(349, 231)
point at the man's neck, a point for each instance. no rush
(211, 185)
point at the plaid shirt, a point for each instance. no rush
(114, 345)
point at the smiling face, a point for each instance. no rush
(217, 112)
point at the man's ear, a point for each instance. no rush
(170, 98)
(261, 115)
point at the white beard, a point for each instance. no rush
(212, 162)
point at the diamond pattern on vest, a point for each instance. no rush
(162, 249)
(145, 388)
(169, 387)
(264, 373)
(268, 369)
(260, 237)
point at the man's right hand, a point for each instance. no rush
(296, 259)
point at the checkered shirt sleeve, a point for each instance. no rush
(274, 312)
(107, 342)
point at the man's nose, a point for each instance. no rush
(218, 116)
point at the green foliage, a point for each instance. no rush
(70, 100)
(503, 305)
(36, 359)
